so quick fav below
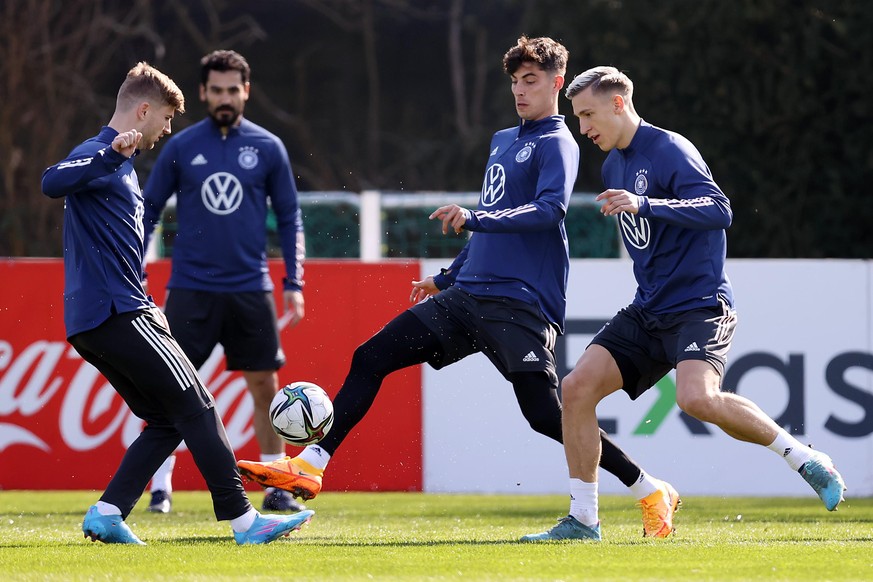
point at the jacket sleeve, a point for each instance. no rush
(75, 172)
(446, 277)
(289, 219)
(698, 202)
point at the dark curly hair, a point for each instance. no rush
(549, 54)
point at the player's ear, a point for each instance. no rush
(142, 109)
(618, 103)
(559, 82)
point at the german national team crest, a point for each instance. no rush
(641, 183)
(248, 157)
(525, 153)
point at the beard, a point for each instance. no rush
(225, 116)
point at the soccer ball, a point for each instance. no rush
(301, 413)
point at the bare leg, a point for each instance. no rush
(698, 392)
(263, 386)
(595, 376)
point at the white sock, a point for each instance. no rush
(583, 502)
(244, 522)
(104, 508)
(789, 448)
(315, 456)
(163, 477)
(644, 486)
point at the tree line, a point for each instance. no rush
(404, 95)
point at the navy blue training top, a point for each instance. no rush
(223, 184)
(103, 232)
(519, 245)
(677, 240)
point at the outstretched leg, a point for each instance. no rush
(403, 342)
(698, 392)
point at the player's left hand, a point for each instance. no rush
(451, 215)
(616, 201)
(421, 290)
(294, 306)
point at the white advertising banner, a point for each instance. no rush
(803, 351)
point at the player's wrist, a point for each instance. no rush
(291, 285)
(443, 280)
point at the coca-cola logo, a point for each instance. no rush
(91, 414)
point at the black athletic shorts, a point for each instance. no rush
(243, 323)
(513, 334)
(647, 346)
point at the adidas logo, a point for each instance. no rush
(787, 452)
(530, 357)
(692, 347)
(199, 160)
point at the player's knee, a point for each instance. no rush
(544, 418)
(539, 402)
(262, 389)
(367, 359)
(697, 403)
(577, 390)
(546, 424)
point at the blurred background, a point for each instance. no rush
(404, 95)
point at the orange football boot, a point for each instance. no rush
(293, 475)
(658, 509)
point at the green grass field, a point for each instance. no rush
(409, 536)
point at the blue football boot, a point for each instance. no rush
(267, 528)
(109, 529)
(568, 528)
(823, 477)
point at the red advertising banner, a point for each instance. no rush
(62, 426)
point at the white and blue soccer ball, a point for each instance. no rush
(301, 413)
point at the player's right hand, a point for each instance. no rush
(421, 290)
(451, 216)
(617, 201)
(126, 142)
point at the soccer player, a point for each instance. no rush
(113, 324)
(504, 295)
(673, 218)
(227, 172)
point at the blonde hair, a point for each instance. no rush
(144, 81)
(601, 80)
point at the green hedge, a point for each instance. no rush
(332, 232)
